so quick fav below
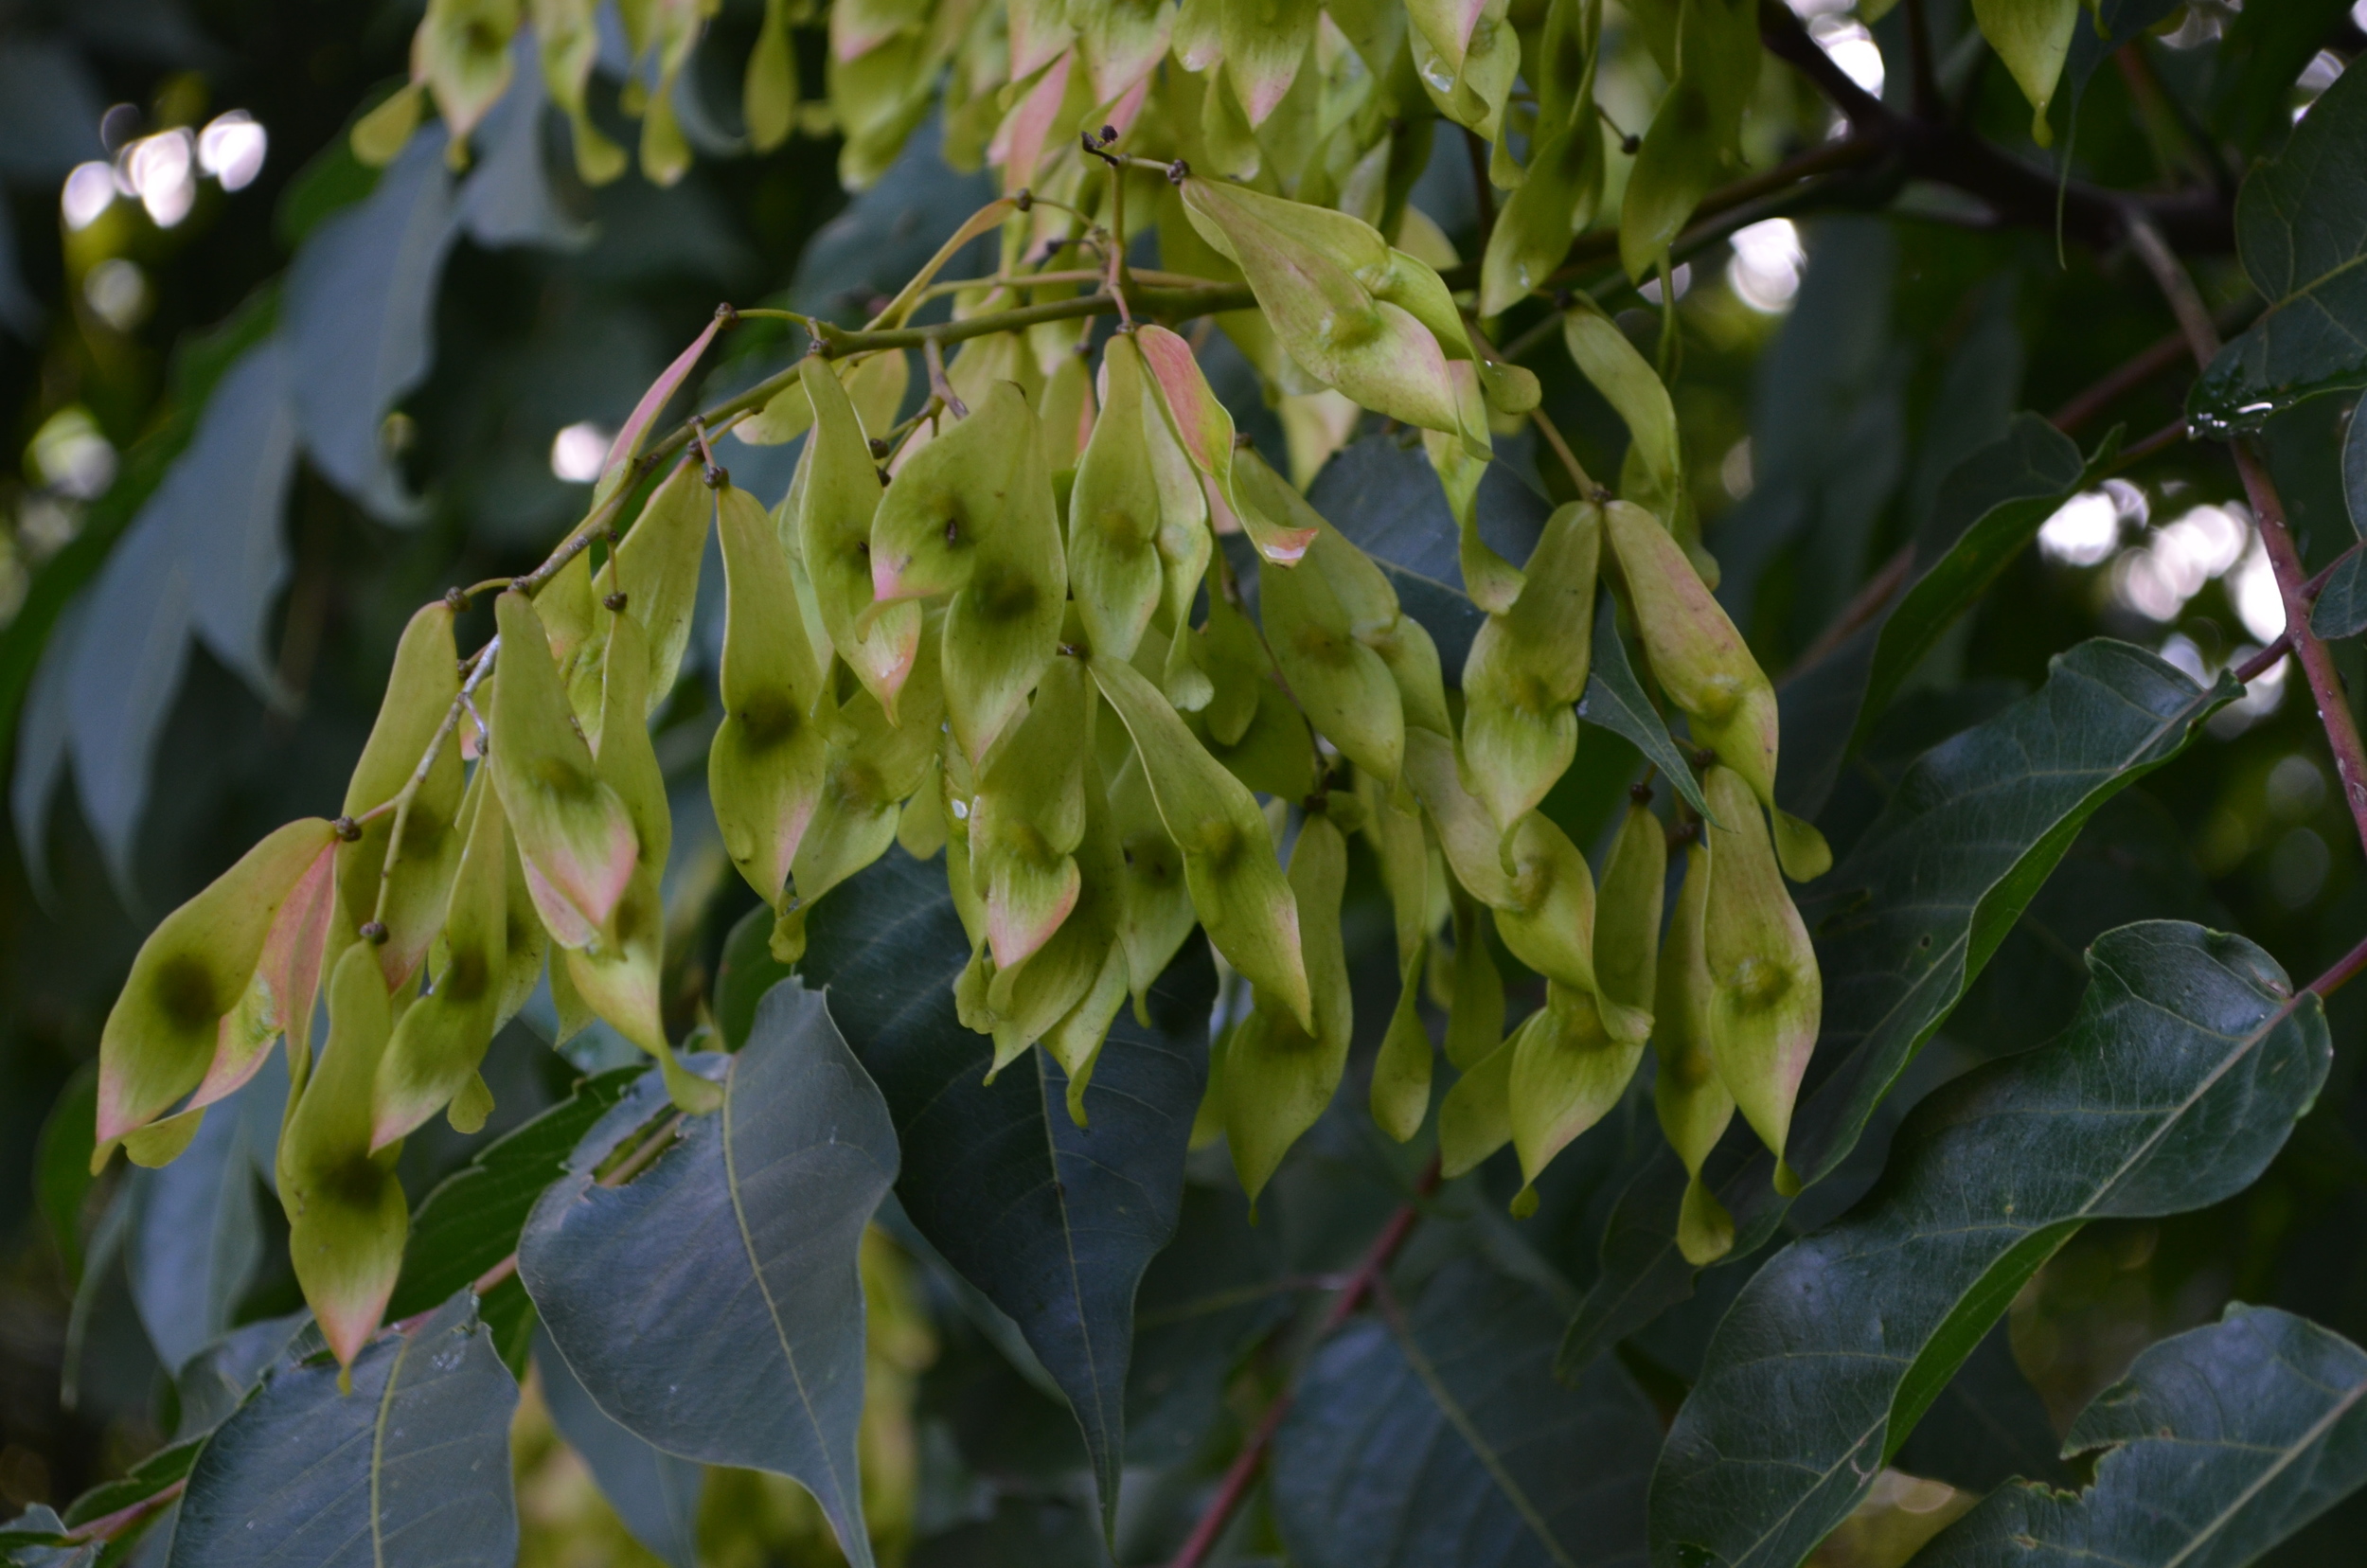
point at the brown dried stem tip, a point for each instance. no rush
(456, 598)
(1640, 792)
(374, 933)
(615, 602)
(347, 829)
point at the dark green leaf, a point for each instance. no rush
(1988, 1426)
(472, 1220)
(1040, 1533)
(2355, 471)
(1615, 700)
(218, 1378)
(1446, 1440)
(1988, 510)
(143, 1481)
(1904, 925)
(61, 1177)
(2218, 1444)
(1204, 1301)
(653, 1492)
(748, 969)
(711, 1304)
(2180, 1078)
(1054, 1223)
(2300, 227)
(196, 1236)
(2341, 610)
(411, 1470)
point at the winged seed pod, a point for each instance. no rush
(764, 766)
(1115, 511)
(1563, 185)
(1313, 275)
(1365, 602)
(1627, 915)
(1532, 878)
(420, 692)
(1401, 1071)
(1567, 1073)
(1767, 997)
(618, 972)
(1345, 688)
(442, 1036)
(1706, 668)
(569, 35)
(871, 767)
(189, 1013)
(1691, 1099)
(1492, 582)
(1036, 998)
(576, 842)
(2033, 37)
(1527, 669)
(347, 1215)
(1204, 430)
(1713, 55)
(839, 497)
(1155, 913)
(1475, 1001)
(1029, 816)
(461, 51)
(1279, 1075)
(1236, 888)
(972, 515)
(656, 568)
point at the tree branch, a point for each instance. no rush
(2017, 193)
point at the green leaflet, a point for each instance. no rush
(713, 1304)
(1926, 894)
(1527, 669)
(576, 841)
(346, 1216)
(1695, 136)
(2297, 231)
(443, 1035)
(1116, 511)
(971, 515)
(764, 766)
(399, 1461)
(1279, 1075)
(2181, 1078)
(1688, 1095)
(839, 497)
(1767, 996)
(2218, 1443)
(1248, 909)
(189, 1015)
(420, 692)
(2031, 36)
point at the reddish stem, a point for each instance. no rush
(1234, 1489)
(2317, 660)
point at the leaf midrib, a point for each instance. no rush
(2086, 1211)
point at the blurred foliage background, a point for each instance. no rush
(403, 381)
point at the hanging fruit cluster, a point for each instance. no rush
(1003, 629)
